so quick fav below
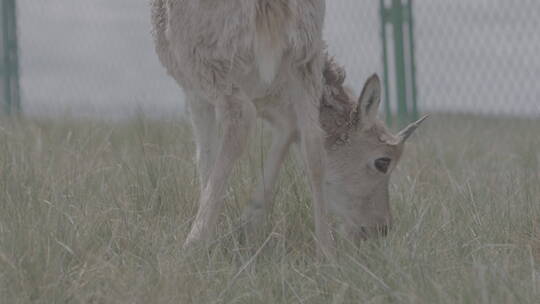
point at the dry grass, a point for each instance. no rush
(95, 212)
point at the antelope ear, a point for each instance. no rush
(368, 104)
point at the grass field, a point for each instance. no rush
(96, 212)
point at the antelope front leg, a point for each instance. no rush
(263, 195)
(236, 118)
(203, 121)
(312, 146)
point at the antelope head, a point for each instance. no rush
(361, 156)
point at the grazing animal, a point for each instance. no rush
(239, 59)
(361, 154)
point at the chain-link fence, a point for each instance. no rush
(472, 56)
(91, 57)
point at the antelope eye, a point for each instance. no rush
(382, 164)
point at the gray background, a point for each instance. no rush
(95, 57)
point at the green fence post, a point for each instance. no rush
(9, 61)
(398, 15)
(412, 59)
(387, 107)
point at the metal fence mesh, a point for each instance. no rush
(480, 56)
(473, 56)
(91, 58)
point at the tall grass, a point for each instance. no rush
(96, 212)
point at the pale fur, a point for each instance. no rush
(273, 23)
(237, 59)
(232, 57)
